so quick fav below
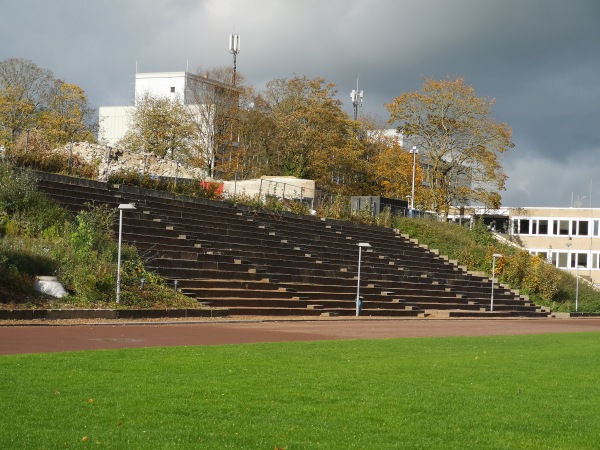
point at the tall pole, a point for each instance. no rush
(493, 274)
(119, 256)
(121, 208)
(494, 256)
(414, 152)
(358, 283)
(234, 49)
(577, 289)
(360, 247)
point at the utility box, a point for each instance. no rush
(376, 205)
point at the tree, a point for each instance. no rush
(458, 142)
(297, 127)
(31, 98)
(16, 114)
(68, 116)
(162, 127)
(216, 106)
(392, 169)
(24, 91)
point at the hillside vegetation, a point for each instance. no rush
(532, 275)
(38, 237)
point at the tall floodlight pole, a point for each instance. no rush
(357, 98)
(234, 49)
(122, 207)
(494, 256)
(414, 151)
(361, 245)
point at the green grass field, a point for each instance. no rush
(538, 391)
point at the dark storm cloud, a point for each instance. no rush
(539, 59)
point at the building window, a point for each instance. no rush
(563, 227)
(596, 227)
(579, 260)
(543, 227)
(172, 89)
(563, 260)
(524, 226)
(582, 228)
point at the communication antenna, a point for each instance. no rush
(234, 49)
(357, 98)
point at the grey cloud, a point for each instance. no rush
(539, 59)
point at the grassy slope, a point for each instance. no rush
(473, 249)
(495, 392)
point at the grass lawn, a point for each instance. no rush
(538, 391)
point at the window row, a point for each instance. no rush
(556, 227)
(571, 259)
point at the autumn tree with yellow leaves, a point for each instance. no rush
(32, 99)
(161, 126)
(458, 142)
(68, 115)
(296, 127)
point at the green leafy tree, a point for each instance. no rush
(458, 141)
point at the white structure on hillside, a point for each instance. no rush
(184, 87)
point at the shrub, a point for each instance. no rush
(190, 187)
(39, 156)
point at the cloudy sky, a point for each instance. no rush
(539, 59)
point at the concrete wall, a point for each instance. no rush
(114, 122)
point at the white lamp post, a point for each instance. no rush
(361, 245)
(577, 289)
(413, 152)
(122, 207)
(494, 256)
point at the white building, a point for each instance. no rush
(198, 92)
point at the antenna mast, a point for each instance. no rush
(357, 98)
(234, 49)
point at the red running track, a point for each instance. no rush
(39, 339)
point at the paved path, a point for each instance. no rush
(37, 339)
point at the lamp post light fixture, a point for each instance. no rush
(360, 245)
(494, 256)
(414, 151)
(122, 207)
